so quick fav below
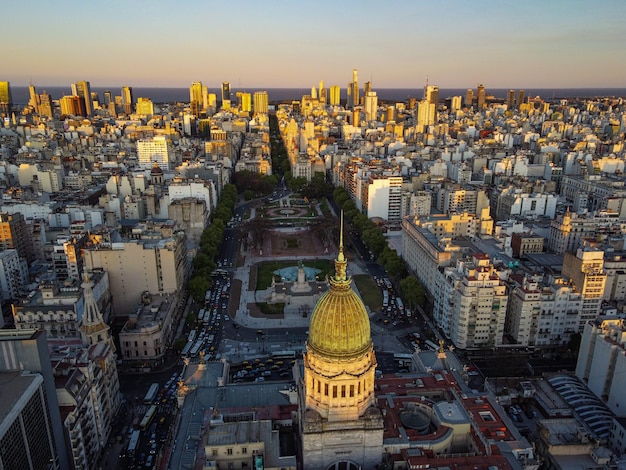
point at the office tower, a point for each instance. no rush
(196, 101)
(72, 106)
(353, 96)
(510, 99)
(127, 99)
(480, 97)
(34, 98)
(212, 101)
(27, 350)
(335, 95)
(469, 97)
(145, 107)
(520, 98)
(371, 106)
(261, 102)
(455, 103)
(313, 92)
(426, 115)
(6, 101)
(245, 102)
(45, 104)
(225, 92)
(367, 88)
(154, 151)
(83, 90)
(107, 98)
(431, 94)
(323, 92)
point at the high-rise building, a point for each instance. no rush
(469, 97)
(261, 102)
(127, 99)
(480, 97)
(14, 234)
(371, 106)
(72, 106)
(155, 150)
(510, 99)
(196, 100)
(335, 95)
(520, 98)
(245, 102)
(455, 103)
(27, 350)
(6, 102)
(34, 98)
(338, 413)
(353, 96)
(431, 94)
(323, 92)
(145, 107)
(45, 104)
(426, 115)
(82, 89)
(107, 98)
(225, 93)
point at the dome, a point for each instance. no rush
(156, 169)
(340, 325)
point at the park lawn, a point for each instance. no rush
(271, 309)
(266, 269)
(370, 293)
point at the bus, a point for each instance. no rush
(283, 355)
(193, 352)
(431, 345)
(133, 444)
(192, 335)
(185, 351)
(148, 417)
(400, 304)
(385, 298)
(152, 393)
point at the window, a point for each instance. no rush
(229, 451)
(326, 389)
(334, 391)
(214, 452)
(343, 391)
(244, 450)
(351, 390)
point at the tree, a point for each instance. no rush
(197, 287)
(412, 291)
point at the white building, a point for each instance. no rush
(13, 274)
(602, 362)
(154, 150)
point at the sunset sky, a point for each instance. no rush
(279, 43)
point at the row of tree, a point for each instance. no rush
(204, 262)
(372, 237)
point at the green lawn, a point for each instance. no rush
(271, 309)
(370, 293)
(265, 270)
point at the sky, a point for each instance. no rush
(297, 43)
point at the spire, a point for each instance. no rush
(93, 327)
(340, 263)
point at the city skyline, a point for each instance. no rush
(572, 44)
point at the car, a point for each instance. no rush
(260, 379)
(285, 374)
(150, 461)
(267, 373)
(153, 448)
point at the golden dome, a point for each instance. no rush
(340, 325)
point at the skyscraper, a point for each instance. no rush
(45, 104)
(154, 151)
(480, 97)
(520, 98)
(355, 89)
(127, 99)
(322, 92)
(371, 106)
(335, 95)
(225, 92)
(5, 98)
(510, 99)
(34, 98)
(72, 106)
(431, 94)
(83, 90)
(469, 97)
(195, 98)
(261, 102)
(245, 102)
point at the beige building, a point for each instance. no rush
(154, 263)
(525, 243)
(585, 268)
